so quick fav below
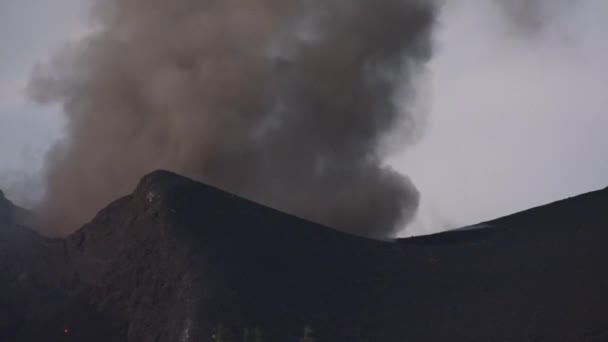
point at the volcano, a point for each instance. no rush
(179, 260)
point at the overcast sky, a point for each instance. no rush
(30, 30)
(517, 109)
(519, 113)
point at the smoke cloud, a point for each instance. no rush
(285, 102)
(533, 19)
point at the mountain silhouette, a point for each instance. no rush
(179, 260)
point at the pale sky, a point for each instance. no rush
(30, 30)
(517, 118)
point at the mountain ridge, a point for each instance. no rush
(176, 259)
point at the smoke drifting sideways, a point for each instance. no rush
(531, 18)
(284, 102)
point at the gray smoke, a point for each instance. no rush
(532, 17)
(286, 102)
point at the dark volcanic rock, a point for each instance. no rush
(31, 273)
(6, 209)
(178, 259)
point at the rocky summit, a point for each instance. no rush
(178, 260)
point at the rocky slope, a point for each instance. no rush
(31, 272)
(181, 261)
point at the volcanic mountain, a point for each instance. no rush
(178, 260)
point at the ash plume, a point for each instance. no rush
(285, 102)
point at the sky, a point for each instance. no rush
(516, 106)
(518, 113)
(30, 30)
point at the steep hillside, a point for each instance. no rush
(31, 272)
(181, 261)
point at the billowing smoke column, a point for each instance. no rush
(285, 102)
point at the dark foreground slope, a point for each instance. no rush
(30, 272)
(177, 259)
